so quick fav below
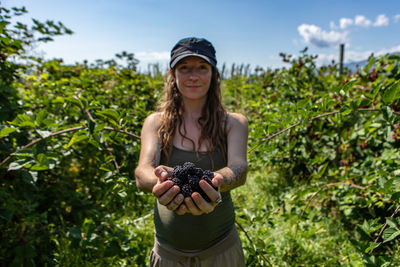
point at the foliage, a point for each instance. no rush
(323, 187)
(333, 138)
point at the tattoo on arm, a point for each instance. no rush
(234, 176)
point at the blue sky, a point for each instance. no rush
(250, 32)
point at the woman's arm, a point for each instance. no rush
(150, 178)
(150, 152)
(227, 178)
(235, 173)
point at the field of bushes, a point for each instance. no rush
(323, 186)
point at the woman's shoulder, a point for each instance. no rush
(236, 119)
(154, 119)
(236, 122)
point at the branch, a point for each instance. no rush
(122, 131)
(290, 127)
(105, 142)
(383, 228)
(42, 138)
(311, 119)
(62, 132)
(251, 242)
(335, 184)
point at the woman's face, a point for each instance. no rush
(193, 77)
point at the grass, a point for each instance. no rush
(268, 209)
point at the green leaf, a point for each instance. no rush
(42, 158)
(392, 223)
(302, 103)
(76, 138)
(6, 131)
(345, 111)
(23, 120)
(75, 101)
(16, 165)
(390, 234)
(3, 24)
(396, 196)
(99, 127)
(39, 167)
(349, 85)
(41, 116)
(372, 246)
(392, 93)
(109, 113)
(387, 112)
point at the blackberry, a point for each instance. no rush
(193, 181)
(186, 190)
(187, 177)
(180, 172)
(198, 172)
(208, 173)
(177, 181)
(188, 165)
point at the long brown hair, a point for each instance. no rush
(212, 121)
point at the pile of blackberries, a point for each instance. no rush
(187, 177)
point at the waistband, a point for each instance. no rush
(168, 252)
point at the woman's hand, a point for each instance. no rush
(166, 192)
(197, 205)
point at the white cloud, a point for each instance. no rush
(332, 25)
(381, 20)
(325, 59)
(394, 49)
(362, 21)
(345, 22)
(396, 18)
(354, 56)
(153, 56)
(315, 35)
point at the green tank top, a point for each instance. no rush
(190, 232)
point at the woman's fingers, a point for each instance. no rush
(169, 195)
(191, 206)
(174, 204)
(161, 187)
(217, 180)
(182, 209)
(162, 172)
(202, 204)
(213, 194)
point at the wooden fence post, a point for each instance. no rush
(341, 56)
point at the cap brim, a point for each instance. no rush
(176, 60)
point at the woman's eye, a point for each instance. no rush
(183, 68)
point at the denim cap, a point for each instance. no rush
(198, 47)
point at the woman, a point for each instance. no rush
(192, 126)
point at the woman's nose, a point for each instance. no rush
(193, 75)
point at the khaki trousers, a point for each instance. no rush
(227, 252)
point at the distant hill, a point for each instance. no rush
(360, 64)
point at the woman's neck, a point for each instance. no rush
(192, 109)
